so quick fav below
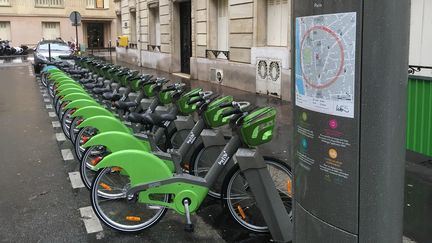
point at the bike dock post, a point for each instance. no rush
(349, 96)
(268, 200)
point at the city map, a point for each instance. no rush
(325, 63)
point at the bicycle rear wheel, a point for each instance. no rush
(119, 212)
(91, 157)
(241, 203)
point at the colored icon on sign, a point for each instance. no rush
(332, 153)
(304, 143)
(333, 124)
(304, 116)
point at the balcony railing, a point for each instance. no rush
(154, 48)
(49, 3)
(412, 69)
(4, 2)
(215, 54)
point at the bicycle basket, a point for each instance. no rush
(258, 126)
(183, 105)
(165, 97)
(213, 114)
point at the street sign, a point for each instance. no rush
(75, 17)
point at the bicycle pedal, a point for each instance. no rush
(189, 227)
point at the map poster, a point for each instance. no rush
(325, 47)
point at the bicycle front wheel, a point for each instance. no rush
(119, 212)
(241, 203)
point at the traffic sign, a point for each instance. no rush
(75, 17)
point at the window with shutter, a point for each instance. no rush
(5, 31)
(277, 22)
(222, 22)
(50, 30)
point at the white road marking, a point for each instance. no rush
(75, 180)
(45, 94)
(47, 100)
(52, 114)
(1, 61)
(60, 137)
(17, 60)
(91, 222)
(67, 154)
(56, 124)
(49, 106)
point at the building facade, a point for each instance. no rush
(238, 43)
(28, 21)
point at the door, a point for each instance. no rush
(185, 36)
(95, 35)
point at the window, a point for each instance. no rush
(98, 4)
(222, 23)
(50, 30)
(49, 3)
(277, 22)
(4, 2)
(154, 25)
(5, 33)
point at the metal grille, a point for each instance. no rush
(49, 3)
(5, 2)
(419, 117)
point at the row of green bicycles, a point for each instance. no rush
(146, 145)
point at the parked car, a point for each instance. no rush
(47, 49)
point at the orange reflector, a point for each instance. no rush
(115, 169)
(241, 212)
(96, 160)
(289, 187)
(105, 186)
(133, 218)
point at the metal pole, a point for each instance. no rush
(109, 46)
(76, 32)
(49, 52)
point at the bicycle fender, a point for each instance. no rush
(91, 111)
(64, 93)
(117, 141)
(142, 167)
(63, 80)
(76, 96)
(80, 103)
(68, 86)
(104, 124)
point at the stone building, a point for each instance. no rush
(239, 43)
(28, 21)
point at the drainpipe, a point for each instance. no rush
(138, 18)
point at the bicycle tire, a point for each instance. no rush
(122, 207)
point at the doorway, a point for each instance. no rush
(185, 36)
(95, 35)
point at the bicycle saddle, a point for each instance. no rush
(151, 119)
(111, 96)
(125, 104)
